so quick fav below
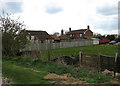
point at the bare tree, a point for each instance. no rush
(14, 35)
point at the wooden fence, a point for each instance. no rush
(100, 62)
(108, 62)
(35, 46)
(91, 60)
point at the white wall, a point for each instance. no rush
(95, 41)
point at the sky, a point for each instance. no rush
(54, 15)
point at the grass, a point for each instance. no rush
(91, 77)
(22, 75)
(109, 50)
(24, 71)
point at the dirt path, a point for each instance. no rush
(66, 79)
(63, 79)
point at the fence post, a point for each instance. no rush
(80, 57)
(115, 65)
(48, 48)
(48, 55)
(100, 60)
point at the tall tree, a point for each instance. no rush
(14, 35)
(110, 37)
(56, 33)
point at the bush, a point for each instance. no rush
(14, 35)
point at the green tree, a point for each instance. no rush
(14, 35)
(56, 33)
(110, 37)
(99, 36)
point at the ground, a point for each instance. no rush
(63, 79)
(29, 71)
(39, 71)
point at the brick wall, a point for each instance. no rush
(88, 33)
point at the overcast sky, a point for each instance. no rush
(54, 15)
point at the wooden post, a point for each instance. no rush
(48, 50)
(80, 57)
(48, 55)
(115, 65)
(108, 64)
(100, 60)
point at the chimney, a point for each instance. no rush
(62, 32)
(88, 27)
(69, 29)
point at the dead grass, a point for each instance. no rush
(63, 79)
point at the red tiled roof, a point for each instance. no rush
(55, 37)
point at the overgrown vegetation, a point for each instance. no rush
(31, 71)
(14, 36)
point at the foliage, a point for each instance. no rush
(14, 36)
(110, 37)
(56, 33)
(91, 77)
(118, 39)
(118, 78)
(99, 36)
(23, 75)
(24, 70)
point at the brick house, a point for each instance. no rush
(40, 36)
(80, 34)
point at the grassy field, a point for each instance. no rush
(21, 75)
(109, 50)
(30, 71)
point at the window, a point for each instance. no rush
(32, 37)
(70, 35)
(80, 35)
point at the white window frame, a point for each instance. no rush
(32, 37)
(80, 35)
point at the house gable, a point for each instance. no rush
(88, 33)
(42, 35)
